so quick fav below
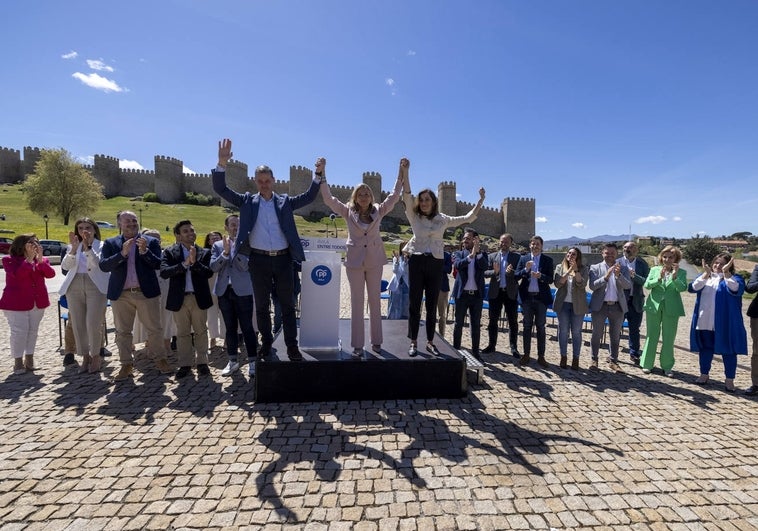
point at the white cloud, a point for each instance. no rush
(578, 225)
(540, 219)
(98, 82)
(98, 64)
(130, 165)
(70, 55)
(185, 169)
(651, 219)
(87, 159)
(411, 52)
(391, 84)
(676, 218)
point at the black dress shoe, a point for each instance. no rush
(752, 390)
(203, 370)
(431, 348)
(264, 351)
(183, 372)
(489, 349)
(294, 354)
(515, 353)
(476, 354)
(69, 359)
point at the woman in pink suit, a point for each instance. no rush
(25, 297)
(365, 253)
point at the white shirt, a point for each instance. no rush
(707, 310)
(428, 233)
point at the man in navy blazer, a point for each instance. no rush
(269, 235)
(635, 297)
(503, 293)
(187, 266)
(468, 289)
(234, 290)
(132, 260)
(535, 271)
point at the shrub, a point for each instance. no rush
(150, 197)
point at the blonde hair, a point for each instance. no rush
(673, 250)
(351, 203)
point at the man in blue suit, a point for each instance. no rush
(468, 289)
(535, 271)
(269, 236)
(234, 290)
(133, 288)
(635, 297)
(503, 293)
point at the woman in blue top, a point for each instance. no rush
(717, 326)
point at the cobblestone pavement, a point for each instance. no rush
(527, 449)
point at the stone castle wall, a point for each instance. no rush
(170, 183)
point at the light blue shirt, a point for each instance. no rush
(267, 234)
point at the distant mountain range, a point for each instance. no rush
(573, 240)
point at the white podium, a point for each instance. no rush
(320, 300)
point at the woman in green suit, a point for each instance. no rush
(663, 308)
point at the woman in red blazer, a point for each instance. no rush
(25, 297)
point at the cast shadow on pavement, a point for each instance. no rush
(16, 386)
(300, 433)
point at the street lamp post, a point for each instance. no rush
(46, 218)
(139, 209)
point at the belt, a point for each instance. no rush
(470, 291)
(133, 290)
(189, 293)
(503, 289)
(423, 254)
(610, 302)
(271, 253)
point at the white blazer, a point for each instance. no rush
(70, 263)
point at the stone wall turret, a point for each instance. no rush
(106, 171)
(374, 181)
(446, 199)
(169, 183)
(31, 157)
(519, 217)
(10, 165)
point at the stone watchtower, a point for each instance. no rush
(519, 217)
(10, 165)
(446, 199)
(106, 171)
(31, 157)
(169, 183)
(374, 181)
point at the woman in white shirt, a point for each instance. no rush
(85, 288)
(425, 263)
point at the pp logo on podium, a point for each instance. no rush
(321, 275)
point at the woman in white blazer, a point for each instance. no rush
(365, 256)
(85, 288)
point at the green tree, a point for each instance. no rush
(61, 186)
(699, 249)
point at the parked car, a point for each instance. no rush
(52, 247)
(5, 245)
(105, 225)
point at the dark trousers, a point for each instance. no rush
(634, 318)
(274, 273)
(238, 309)
(498, 304)
(535, 312)
(473, 305)
(424, 278)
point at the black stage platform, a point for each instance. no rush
(337, 375)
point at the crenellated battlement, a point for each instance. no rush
(134, 171)
(168, 180)
(172, 160)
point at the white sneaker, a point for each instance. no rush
(251, 369)
(230, 368)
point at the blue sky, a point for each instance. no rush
(613, 115)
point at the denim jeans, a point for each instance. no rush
(568, 320)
